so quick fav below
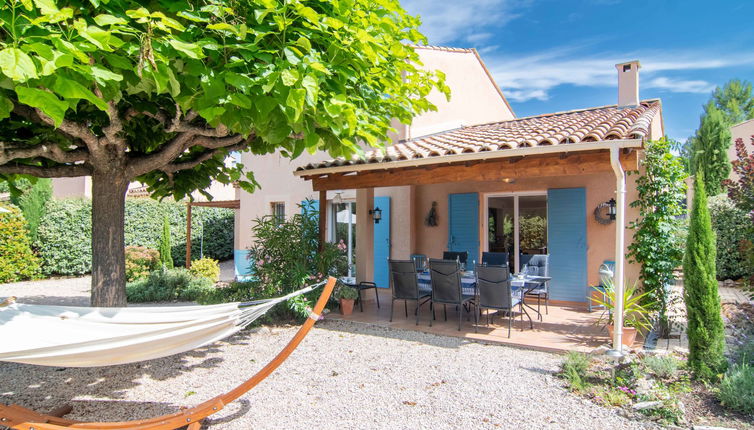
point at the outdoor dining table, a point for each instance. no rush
(519, 285)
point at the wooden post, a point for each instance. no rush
(322, 218)
(188, 235)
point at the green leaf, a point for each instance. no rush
(240, 100)
(70, 89)
(138, 13)
(290, 77)
(44, 101)
(105, 19)
(222, 26)
(190, 49)
(102, 74)
(310, 14)
(6, 107)
(17, 65)
(243, 83)
(47, 7)
(295, 101)
(304, 43)
(191, 16)
(312, 89)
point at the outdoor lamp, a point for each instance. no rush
(611, 209)
(376, 215)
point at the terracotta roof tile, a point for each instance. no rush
(561, 128)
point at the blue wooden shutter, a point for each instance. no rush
(566, 236)
(382, 243)
(463, 221)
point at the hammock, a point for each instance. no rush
(212, 323)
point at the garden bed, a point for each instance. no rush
(652, 387)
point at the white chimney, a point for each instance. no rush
(628, 83)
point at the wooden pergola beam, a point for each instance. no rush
(577, 163)
(227, 204)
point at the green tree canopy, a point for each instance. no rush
(735, 101)
(709, 149)
(162, 91)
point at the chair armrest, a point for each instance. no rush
(367, 284)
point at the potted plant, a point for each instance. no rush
(635, 314)
(347, 297)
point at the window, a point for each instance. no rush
(344, 232)
(278, 212)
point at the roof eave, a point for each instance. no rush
(482, 155)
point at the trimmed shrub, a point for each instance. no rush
(706, 332)
(140, 261)
(165, 285)
(732, 226)
(208, 268)
(17, 261)
(736, 390)
(64, 239)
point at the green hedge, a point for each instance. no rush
(731, 225)
(64, 237)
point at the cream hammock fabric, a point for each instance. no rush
(69, 336)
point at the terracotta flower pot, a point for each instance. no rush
(346, 306)
(629, 335)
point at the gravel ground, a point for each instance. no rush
(59, 291)
(344, 375)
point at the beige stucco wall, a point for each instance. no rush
(474, 97)
(745, 131)
(63, 188)
(432, 241)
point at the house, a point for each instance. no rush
(744, 131)
(476, 99)
(542, 184)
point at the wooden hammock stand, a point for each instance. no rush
(19, 418)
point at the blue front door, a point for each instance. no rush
(463, 220)
(566, 232)
(382, 243)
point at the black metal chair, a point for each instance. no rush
(366, 285)
(405, 286)
(539, 265)
(462, 256)
(493, 290)
(447, 289)
(495, 258)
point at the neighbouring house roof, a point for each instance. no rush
(555, 129)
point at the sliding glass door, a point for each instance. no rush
(517, 225)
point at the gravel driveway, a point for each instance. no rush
(344, 375)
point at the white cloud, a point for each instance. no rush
(680, 85)
(446, 22)
(532, 76)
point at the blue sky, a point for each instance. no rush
(554, 55)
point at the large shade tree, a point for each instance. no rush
(162, 91)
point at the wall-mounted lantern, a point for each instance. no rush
(376, 214)
(605, 212)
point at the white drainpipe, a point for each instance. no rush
(620, 233)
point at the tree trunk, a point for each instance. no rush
(108, 245)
